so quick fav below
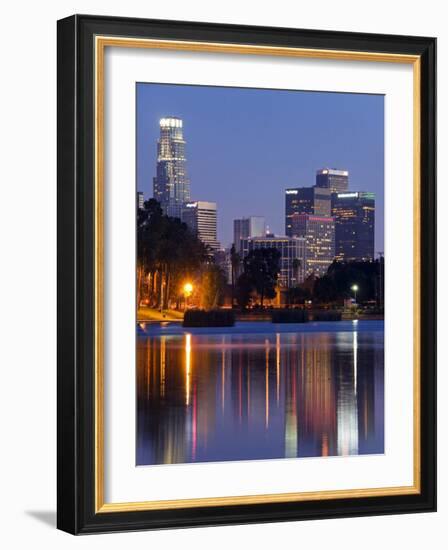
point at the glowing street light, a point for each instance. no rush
(188, 290)
(355, 289)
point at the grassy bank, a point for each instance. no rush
(149, 314)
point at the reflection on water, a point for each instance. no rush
(214, 397)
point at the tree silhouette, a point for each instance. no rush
(167, 251)
(261, 269)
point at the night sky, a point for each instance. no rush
(245, 146)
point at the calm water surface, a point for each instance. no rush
(259, 391)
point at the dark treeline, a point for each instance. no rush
(337, 285)
(258, 280)
(168, 255)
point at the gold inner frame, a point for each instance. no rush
(101, 42)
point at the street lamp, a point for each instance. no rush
(188, 290)
(355, 290)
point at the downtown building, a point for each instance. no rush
(140, 200)
(306, 200)
(171, 186)
(201, 217)
(292, 256)
(319, 235)
(247, 228)
(334, 180)
(354, 214)
(308, 215)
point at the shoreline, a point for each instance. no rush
(174, 328)
(154, 316)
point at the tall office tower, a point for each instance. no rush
(319, 234)
(306, 200)
(354, 215)
(292, 256)
(330, 178)
(171, 186)
(140, 200)
(246, 228)
(201, 218)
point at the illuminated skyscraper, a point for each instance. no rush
(308, 215)
(201, 218)
(330, 178)
(354, 215)
(319, 235)
(171, 186)
(315, 201)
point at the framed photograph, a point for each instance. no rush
(246, 274)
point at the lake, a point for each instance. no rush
(259, 391)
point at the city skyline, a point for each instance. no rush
(271, 348)
(217, 142)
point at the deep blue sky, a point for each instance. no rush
(245, 146)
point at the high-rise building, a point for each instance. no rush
(330, 178)
(201, 218)
(246, 228)
(171, 186)
(319, 234)
(354, 215)
(315, 201)
(140, 200)
(292, 256)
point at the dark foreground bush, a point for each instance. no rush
(289, 316)
(327, 315)
(212, 318)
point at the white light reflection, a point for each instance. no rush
(347, 408)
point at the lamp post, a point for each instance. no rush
(188, 290)
(355, 290)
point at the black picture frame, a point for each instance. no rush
(76, 255)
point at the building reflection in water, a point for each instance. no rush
(253, 396)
